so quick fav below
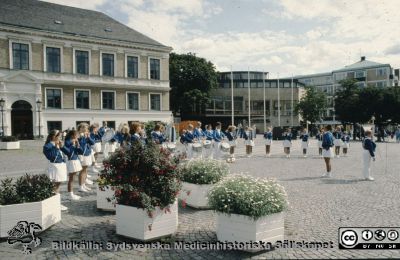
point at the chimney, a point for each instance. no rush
(362, 58)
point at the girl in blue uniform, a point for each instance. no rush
(209, 136)
(218, 136)
(157, 136)
(57, 169)
(189, 141)
(248, 140)
(327, 144)
(231, 134)
(268, 141)
(96, 148)
(72, 149)
(368, 154)
(319, 138)
(287, 142)
(337, 141)
(85, 155)
(346, 143)
(304, 142)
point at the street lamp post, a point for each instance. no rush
(39, 110)
(2, 103)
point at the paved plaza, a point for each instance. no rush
(318, 206)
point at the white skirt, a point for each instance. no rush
(57, 172)
(86, 160)
(337, 142)
(346, 145)
(249, 142)
(268, 142)
(96, 147)
(304, 145)
(287, 143)
(320, 144)
(74, 166)
(232, 143)
(327, 153)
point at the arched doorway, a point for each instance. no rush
(21, 120)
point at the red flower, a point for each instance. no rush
(183, 203)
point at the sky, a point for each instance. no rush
(283, 37)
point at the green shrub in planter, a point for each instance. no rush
(249, 196)
(27, 188)
(204, 171)
(9, 139)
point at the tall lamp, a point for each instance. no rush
(2, 103)
(39, 110)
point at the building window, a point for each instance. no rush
(82, 99)
(155, 69)
(380, 72)
(108, 100)
(132, 66)
(108, 64)
(82, 62)
(20, 56)
(381, 84)
(133, 101)
(54, 125)
(110, 124)
(360, 74)
(53, 59)
(53, 98)
(155, 102)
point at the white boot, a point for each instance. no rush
(86, 187)
(63, 208)
(89, 182)
(83, 189)
(73, 196)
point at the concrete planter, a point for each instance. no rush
(101, 198)
(242, 228)
(45, 213)
(195, 195)
(135, 223)
(9, 145)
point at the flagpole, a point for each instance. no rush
(292, 102)
(248, 85)
(232, 105)
(279, 104)
(265, 106)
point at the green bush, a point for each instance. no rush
(9, 139)
(245, 195)
(27, 188)
(200, 171)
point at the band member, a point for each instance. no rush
(231, 134)
(198, 132)
(96, 148)
(157, 135)
(319, 138)
(103, 129)
(218, 136)
(368, 154)
(57, 169)
(337, 134)
(189, 140)
(209, 135)
(287, 142)
(72, 149)
(327, 144)
(85, 155)
(346, 143)
(304, 142)
(124, 137)
(248, 140)
(268, 141)
(136, 128)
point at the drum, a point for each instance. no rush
(197, 147)
(108, 135)
(171, 147)
(207, 144)
(225, 147)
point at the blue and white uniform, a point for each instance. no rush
(248, 138)
(304, 140)
(199, 133)
(368, 153)
(337, 138)
(189, 140)
(231, 138)
(57, 169)
(327, 144)
(287, 140)
(72, 153)
(96, 148)
(268, 138)
(209, 135)
(86, 150)
(346, 141)
(218, 135)
(158, 137)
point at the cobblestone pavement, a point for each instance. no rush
(318, 207)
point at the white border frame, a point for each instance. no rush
(45, 98)
(101, 63)
(101, 99)
(148, 67)
(155, 93)
(90, 99)
(127, 104)
(126, 64)
(61, 47)
(74, 61)
(10, 52)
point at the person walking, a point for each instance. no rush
(368, 155)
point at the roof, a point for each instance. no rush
(323, 74)
(362, 64)
(44, 16)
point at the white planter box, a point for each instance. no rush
(9, 145)
(135, 223)
(241, 228)
(45, 213)
(198, 193)
(101, 197)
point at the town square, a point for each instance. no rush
(174, 130)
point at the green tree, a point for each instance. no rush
(312, 105)
(391, 105)
(191, 78)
